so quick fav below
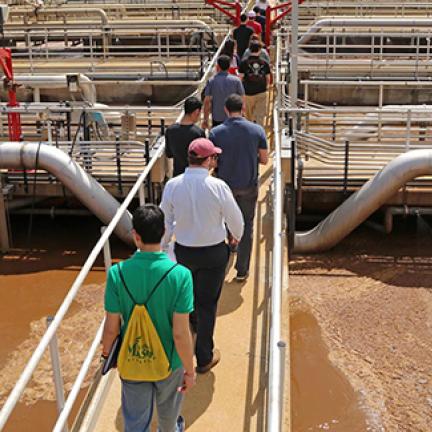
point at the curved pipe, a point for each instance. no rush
(359, 206)
(23, 155)
(363, 22)
(59, 81)
(64, 12)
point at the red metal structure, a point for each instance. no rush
(271, 21)
(235, 17)
(14, 119)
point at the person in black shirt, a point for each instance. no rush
(242, 35)
(255, 74)
(179, 135)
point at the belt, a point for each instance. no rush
(201, 247)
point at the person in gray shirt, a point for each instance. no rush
(218, 89)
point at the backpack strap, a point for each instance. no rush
(152, 291)
(160, 281)
(124, 283)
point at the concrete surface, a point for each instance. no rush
(231, 397)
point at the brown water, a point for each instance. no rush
(322, 398)
(33, 283)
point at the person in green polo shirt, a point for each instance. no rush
(169, 309)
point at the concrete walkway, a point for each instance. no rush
(231, 397)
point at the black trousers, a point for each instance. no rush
(208, 265)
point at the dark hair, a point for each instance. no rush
(243, 18)
(256, 9)
(149, 223)
(192, 104)
(234, 103)
(223, 62)
(228, 48)
(193, 159)
(254, 47)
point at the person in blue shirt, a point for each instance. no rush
(218, 89)
(244, 145)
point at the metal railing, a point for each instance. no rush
(346, 146)
(370, 52)
(123, 9)
(51, 331)
(48, 337)
(277, 347)
(89, 46)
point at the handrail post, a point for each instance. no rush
(293, 88)
(106, 252)
(282, 352)
(346, 163)
(57, 376)
(141, 195)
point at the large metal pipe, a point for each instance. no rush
(64, 12)
(359, 206)
(26, 155)
(363, 22)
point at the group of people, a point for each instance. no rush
(207, 210)
(242, 68)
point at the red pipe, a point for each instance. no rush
(235, 17)
(14, 119)
(270, 22)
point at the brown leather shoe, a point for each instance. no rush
(215, 360)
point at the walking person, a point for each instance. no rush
(260, 18)
(255, 74)
(217, 90)
(149, 277)
(253, 24)
(197, 208)
(264, 55)
(262, 5)
(242, 35)
(229, 50)
(243, 146)
(179, 135)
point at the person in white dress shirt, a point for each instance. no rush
(198, 210)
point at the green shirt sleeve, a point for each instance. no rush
(185, 301)
(112, 300)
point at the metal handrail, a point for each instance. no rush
(276, 346)
(26, 375)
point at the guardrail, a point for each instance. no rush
(347, 146)
(49, 336)
(277, 347)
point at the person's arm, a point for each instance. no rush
(207, 108)
(259, 28)
(110, 332)
(112, 312)
(263, 156)
(262, 147)
(168, 150)
(183, 343)
(181, 331)
(168, 210)
(268, 75)
(232, 213)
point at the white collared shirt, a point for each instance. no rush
(197, 207)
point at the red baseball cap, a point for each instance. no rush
(203, 148)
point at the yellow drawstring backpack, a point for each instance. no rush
(142, 356)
